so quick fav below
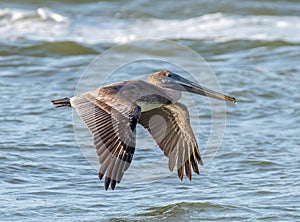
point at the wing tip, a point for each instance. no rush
(100, 175)
(180, 173)
(200, 161)
(106, 183)
(113, 184)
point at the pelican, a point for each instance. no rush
(112, 113)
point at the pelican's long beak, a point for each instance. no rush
(193, 87)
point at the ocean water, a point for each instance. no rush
(252, 47)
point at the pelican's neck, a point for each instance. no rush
(173, 95)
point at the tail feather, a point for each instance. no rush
(61, 102)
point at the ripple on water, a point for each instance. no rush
(193, 211)
(255, 174)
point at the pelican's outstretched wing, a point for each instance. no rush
(170, 127)
(113, 124)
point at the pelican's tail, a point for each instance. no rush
(61, 102)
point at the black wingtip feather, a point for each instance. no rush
(113, 184)
(100, 175)
(106, 183)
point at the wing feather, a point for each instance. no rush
(170, 127)
(113, 129)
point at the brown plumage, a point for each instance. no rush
(112, 112)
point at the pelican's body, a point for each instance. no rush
(112, 112)
(143, 94)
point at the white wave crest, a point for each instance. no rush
(218, 27)
(46, 25)
(9, 16)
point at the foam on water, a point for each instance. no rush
(46, 25)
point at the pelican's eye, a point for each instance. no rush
(169, 74)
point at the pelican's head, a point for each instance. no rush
(169, 80)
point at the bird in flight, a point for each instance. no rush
(112, 113)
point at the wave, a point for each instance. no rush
(41, 48)
(45, 25)
(184, 211)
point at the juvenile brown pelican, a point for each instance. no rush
(112, 112)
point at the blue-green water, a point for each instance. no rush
(252, 46)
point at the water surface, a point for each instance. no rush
(252, 46)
